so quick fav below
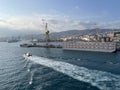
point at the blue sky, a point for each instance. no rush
(27, 15)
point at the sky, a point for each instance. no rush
(30, 16)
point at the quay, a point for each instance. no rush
(43, 46)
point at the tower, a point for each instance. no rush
(47, 34)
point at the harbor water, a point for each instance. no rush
(57, 69)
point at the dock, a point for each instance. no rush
(43, 46)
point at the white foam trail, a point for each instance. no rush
(31, 77)
(28, 70)
(30, 82)
(102, 80)
(29, 65)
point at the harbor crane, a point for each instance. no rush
(47, 38)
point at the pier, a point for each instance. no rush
(43, 46)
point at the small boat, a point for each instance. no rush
(26, 55)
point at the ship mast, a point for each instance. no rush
(47, 34)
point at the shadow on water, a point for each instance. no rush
(95, 60)
(90, 55)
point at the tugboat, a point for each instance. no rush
(26, 55)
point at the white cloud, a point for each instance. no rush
(55, 23)
(35, 22)
(21, 23)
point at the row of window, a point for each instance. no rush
(90, 46)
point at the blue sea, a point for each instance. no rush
(57, 69)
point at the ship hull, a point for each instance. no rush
(93, 50)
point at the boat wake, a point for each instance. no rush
(100, 79)
(31, 77)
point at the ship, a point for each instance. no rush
(97, 44)
(90, 46)
(13, 41)
(25, 45)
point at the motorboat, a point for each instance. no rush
(27, 55)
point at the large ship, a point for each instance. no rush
(98, 43)
(90, 46)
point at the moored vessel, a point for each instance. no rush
(90, 46)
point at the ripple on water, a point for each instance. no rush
(102, 80)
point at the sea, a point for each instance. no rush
(57, 69)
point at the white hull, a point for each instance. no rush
(94, 50)
(26, 55)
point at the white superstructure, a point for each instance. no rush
(90, 46)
